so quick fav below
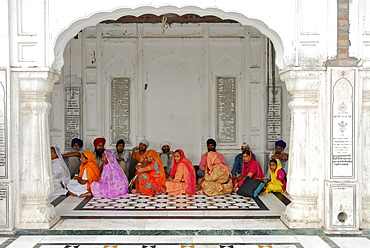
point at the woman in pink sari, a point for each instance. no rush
(183, 175)
(113, 182)
(217, 180)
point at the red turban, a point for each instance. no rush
(99, 140)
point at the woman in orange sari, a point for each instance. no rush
(217, 179)
(151, 177)
(183, 175)
(89, 173)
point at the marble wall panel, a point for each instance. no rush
(3, 126)
(4, 206)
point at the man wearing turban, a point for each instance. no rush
(138, 155)
(211, 147)
(166, 156)
(283, 157)
(99, 150)
(73, 158)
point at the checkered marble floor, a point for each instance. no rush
(173, 202)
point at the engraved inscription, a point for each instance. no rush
(226, 109)
(4, 206)
(342, 125)
(274, 116)
(120, 96)
(3, 166)
(73, 124)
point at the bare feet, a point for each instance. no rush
(134, 191)
(70, 193)
(163, 191)
(85, 195)
(200, 192)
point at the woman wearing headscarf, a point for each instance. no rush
(61, 174)
(217, 179)
(183, 175)
(151, 177)
(278, 178)
(113, 182)
(251, 168)
(89, 173)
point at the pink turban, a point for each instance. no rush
(99, 140)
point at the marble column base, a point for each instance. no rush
(302, 213)
(365, 214)
(38, 216)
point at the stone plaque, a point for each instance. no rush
(73, 118)
(226, 109)
(120, 118)
(342, 204)
(4, 206)
(274, 116)
(3, 137)
(342, 124)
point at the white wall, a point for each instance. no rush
(173, 91)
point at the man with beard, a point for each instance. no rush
(283, 157)
(73, 158)
(166, 156)
(122, 155)
(211, 147)
(99, 149)
(138, 156)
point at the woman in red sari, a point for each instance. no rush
(183, 175)
(151, 177)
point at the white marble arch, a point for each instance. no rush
(94, 19)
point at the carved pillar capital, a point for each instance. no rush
(35, 211)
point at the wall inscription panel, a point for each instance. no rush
(342, 124)
(73, 114)
(4, 206)
(3, 131)
(226, 118)
(120, 95)
(274, 116)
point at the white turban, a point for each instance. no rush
(164, 143)
(144, 141)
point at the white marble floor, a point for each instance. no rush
(207, 241)
(176, 229)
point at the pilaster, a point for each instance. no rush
(364, 80)
(35, 211)
(305, 168)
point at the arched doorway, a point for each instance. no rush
(175, 71)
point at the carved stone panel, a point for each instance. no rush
(4, 206)
(274, 116)
(120, 96)
(73, 114)
(342, 124)
(226, 109)
(3, 131)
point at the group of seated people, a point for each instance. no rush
(107, 174)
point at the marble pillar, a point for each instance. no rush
(364, 78)
(305, 165)
(35, 210)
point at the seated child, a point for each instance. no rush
(278, 177)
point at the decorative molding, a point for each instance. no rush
(27, 52)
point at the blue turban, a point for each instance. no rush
(280, 143)
(78, 141)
